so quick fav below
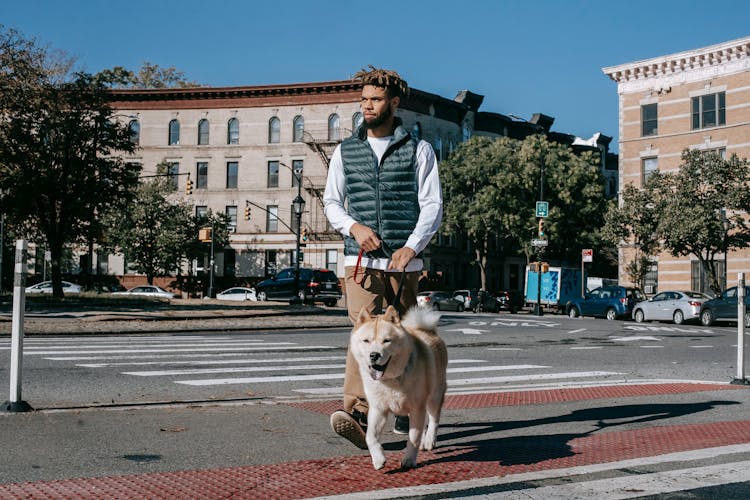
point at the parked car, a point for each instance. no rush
(510, 300)
(46, 287)
(440, 301)
(237, 293)
(609, 302)
(470, 298)
(147, 291)
(724, 307)
(485, 302)
(315, 285)
(671, 305)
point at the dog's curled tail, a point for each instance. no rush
(422, 318)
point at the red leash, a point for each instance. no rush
(400, 282)
(356, 268)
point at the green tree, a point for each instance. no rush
(491, 186)
(60, 163)
(148, 76)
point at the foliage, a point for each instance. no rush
(149, 76)
(59, 149)
(491, 186)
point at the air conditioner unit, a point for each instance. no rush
(232, 229)
(649, 288)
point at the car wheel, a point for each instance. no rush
(460, 308)
(262, 297)
(678, 317)
(573, 312)
(611, 314)
(302, 296)
(707, 317)
(639, 316)
(436, 306)
(330, 303)
(747, 320)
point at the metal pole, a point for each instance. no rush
(741, 380)
(299, 225)
(211, 263)
(15, 403)
(2, 248)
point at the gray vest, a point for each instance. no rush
(382, 197)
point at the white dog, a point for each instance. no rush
(403, 365)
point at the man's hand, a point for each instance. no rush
(401, 258)
(366, 237)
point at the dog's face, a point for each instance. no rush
(381, 344)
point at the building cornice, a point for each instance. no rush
(683, 67)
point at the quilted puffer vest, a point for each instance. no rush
(381, 196)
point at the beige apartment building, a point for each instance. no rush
(698, 99)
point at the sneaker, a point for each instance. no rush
(402, 425)
(346, 426)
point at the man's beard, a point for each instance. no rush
(378, 120)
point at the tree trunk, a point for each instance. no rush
(55, 250)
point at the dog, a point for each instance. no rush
(403, 367)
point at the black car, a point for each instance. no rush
(510, 300)
(315, 285)
(724, 307)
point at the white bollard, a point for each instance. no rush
(740, 380)
(15, 403)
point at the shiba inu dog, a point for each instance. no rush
(403, 366)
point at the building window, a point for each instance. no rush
(709, 110)
(270, 262)
(233, 131)
(173, 170)
(230, 262)
(649, 120)
(201, 212)
(272, 219)
(356, 120)
(699, 276)
(232, 167)
(334, 130)
(201, 177)
(650, 165)
(722, 152)
(297, 166)
(232, 218)
(135, 131)
(174, 132)
(203, 132)
(274, 130)
(273, 174)
(298, 128)
(332, 258)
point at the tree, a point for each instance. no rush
(60, 163)
(491, 186)
(705, 206)
(149, 76)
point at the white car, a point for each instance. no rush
(46, 287)
(148, 291)
(237, 293)
(677, 306)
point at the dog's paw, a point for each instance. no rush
(378, 461)
(427, 444)
(408, 462)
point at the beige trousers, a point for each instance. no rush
(377, 290)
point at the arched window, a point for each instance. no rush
(135, 131)
(334, 130)
(274, 130)
(298, 129)
(356, 120)
(203, 131)
(233, 131)
(174, 132)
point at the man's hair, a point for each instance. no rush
(391, 81)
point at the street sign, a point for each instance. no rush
(587, 255)
(542, 209)
(539, 243)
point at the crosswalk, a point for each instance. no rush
(304, 371)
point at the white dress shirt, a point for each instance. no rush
(428, 193)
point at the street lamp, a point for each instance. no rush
(298, 206)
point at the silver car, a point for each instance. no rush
(46, 287)
(237, 293)
(672, 305)
(148, 291)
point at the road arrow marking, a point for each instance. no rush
(468, 331)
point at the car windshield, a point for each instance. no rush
(325, 276)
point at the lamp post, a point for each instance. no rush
(298, 206)
(211, 264)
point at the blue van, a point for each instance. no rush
(609, 302)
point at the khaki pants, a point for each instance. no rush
(377, 290)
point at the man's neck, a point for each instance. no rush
(384, 130)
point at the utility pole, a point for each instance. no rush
(298, 206)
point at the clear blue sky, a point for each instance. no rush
(524, 56)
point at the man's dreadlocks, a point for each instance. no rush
(384, 78)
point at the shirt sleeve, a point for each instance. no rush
(430, 198)
(334, 195)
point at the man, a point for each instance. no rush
(383, 194)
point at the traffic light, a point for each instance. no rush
(304, 235)
(248, 213)
(544, 267)
(533, 267)
(189, 186)
(542, 230)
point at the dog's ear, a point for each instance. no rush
(364, 315)
(391, 314)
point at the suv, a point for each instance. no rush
(469, 297)
(315, 285)
(511, 300)
(609, 302)
(724, 307)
